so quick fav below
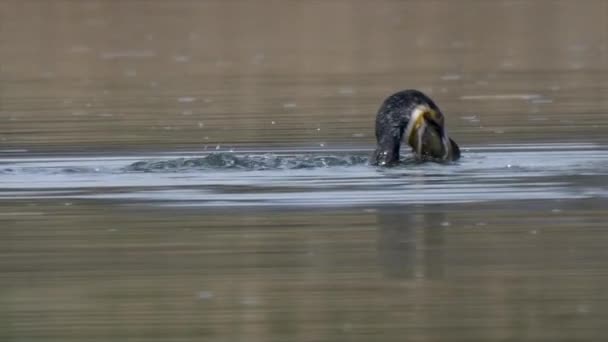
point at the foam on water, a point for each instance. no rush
(304, 178)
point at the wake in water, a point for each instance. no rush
(258, 162)
(233, 161)
(311, 178)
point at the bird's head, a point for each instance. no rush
(426, 133)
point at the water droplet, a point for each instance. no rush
(346, 91)
(181, 59)
(250, 301)
(451, 77)
(583, 309)
(205, 295)
(79, 49)
(186, 99)
(470, 118)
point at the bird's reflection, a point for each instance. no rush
(410, 243)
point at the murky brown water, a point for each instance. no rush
(81, 272)
(97, 242)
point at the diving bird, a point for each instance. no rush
(413, 117)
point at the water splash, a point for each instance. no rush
(228, 161)
(310, 177)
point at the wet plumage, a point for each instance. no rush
(414, 118)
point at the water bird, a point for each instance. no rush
(412, 116)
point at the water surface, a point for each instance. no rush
(313, 178)
(197, 171)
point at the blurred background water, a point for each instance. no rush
(197, 170)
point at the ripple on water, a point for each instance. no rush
(227, 161)
(312, 178)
